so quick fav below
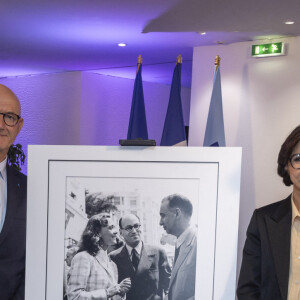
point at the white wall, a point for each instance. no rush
(261, 107)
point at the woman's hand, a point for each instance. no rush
(119, 289)
(113, 290)
(125, 286)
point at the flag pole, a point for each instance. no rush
(217, 61)
(214, 132)
(137, 134)
(174, 131)
(139, 60)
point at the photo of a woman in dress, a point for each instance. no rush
(93, 275)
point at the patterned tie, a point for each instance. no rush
(135, 258)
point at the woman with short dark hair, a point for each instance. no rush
(285, 155)
(93, 275)
(271, 258)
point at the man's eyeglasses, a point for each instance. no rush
(295, 161)
(10, 119)
(129, 228)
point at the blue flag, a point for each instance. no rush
(214, 133)
(137, 123)
(174, 132)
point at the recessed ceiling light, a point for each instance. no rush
(122, 45)
(289, 22)
(202, 33)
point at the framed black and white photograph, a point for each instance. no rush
(67, 185)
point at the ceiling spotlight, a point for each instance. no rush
(122, 45)
(289, 22)
(202, 33)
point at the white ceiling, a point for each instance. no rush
(65, 35)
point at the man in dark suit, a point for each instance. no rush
(175, 214)
(270, 267)
(13, 192)
(147, 266)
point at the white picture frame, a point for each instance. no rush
(213, 180)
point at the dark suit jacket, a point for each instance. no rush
(13, 238)
(266, 257)
(183, 278)
(152, 276)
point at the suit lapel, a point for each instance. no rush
(126, 262)
(13, 196)
(279, 230)
(185, 248)
(145, 260)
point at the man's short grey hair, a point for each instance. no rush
(181, 202)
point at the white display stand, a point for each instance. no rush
(209, 177)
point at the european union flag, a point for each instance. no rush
(174, 131)
(214, 133)
(137, 128)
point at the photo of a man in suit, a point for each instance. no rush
(175, 214)
(146, 265)
(13, 191)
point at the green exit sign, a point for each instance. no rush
(264, 50)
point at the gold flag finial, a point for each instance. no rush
(179, 59)
(217, 61)
(139, 60)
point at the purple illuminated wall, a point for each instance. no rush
(50, 108)
(106, 103)
(79, 108)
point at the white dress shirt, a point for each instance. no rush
(182, 237)
(138, 249)
(294, 275)
(3, 192)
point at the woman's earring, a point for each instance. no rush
(100, 243)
